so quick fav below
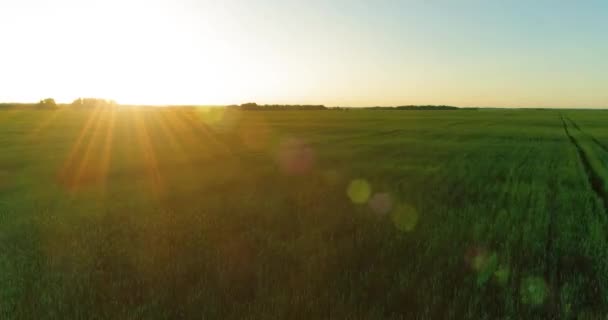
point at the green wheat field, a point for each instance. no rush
(215, 213)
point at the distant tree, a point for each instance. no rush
(249, 106)
(280, 107)
(427, 107)
(47, 103)
(93, 102)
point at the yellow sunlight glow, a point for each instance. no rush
(136, 54)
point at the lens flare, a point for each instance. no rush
(533, 291)
(220, 119)
(486, 268)
(295, 157)
(475, 257)
(359, 191)
(405, 217)
(381, 203)
(212, 116)
(501, 275)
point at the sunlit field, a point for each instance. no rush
(190, 213)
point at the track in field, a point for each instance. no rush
(594, 139)
(595, 180)
(554, 268)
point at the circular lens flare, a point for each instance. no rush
(381, 203)
(405, 217)
(359, 191)
(295, 157)
(534, 291)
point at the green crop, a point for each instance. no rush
(183, 213)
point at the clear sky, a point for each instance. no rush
(342, 52)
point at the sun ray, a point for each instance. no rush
(107, 150)
(170, 135)
(203, 129)
(147, 150)
(195, 130)
(87, 170)
(65, 173)
(183, 134)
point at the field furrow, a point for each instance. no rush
(592, 167)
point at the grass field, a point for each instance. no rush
(145, 213)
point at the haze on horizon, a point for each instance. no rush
(355, 53)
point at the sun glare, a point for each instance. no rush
(138, 54)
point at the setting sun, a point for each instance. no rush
(135, 53)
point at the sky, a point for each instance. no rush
(335, 52)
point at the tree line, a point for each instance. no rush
(277, 107)
(417, 107)
(50, 103)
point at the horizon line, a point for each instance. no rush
(3, 103)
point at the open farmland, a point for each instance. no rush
(167, 213)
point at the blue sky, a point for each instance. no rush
(358, 53)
